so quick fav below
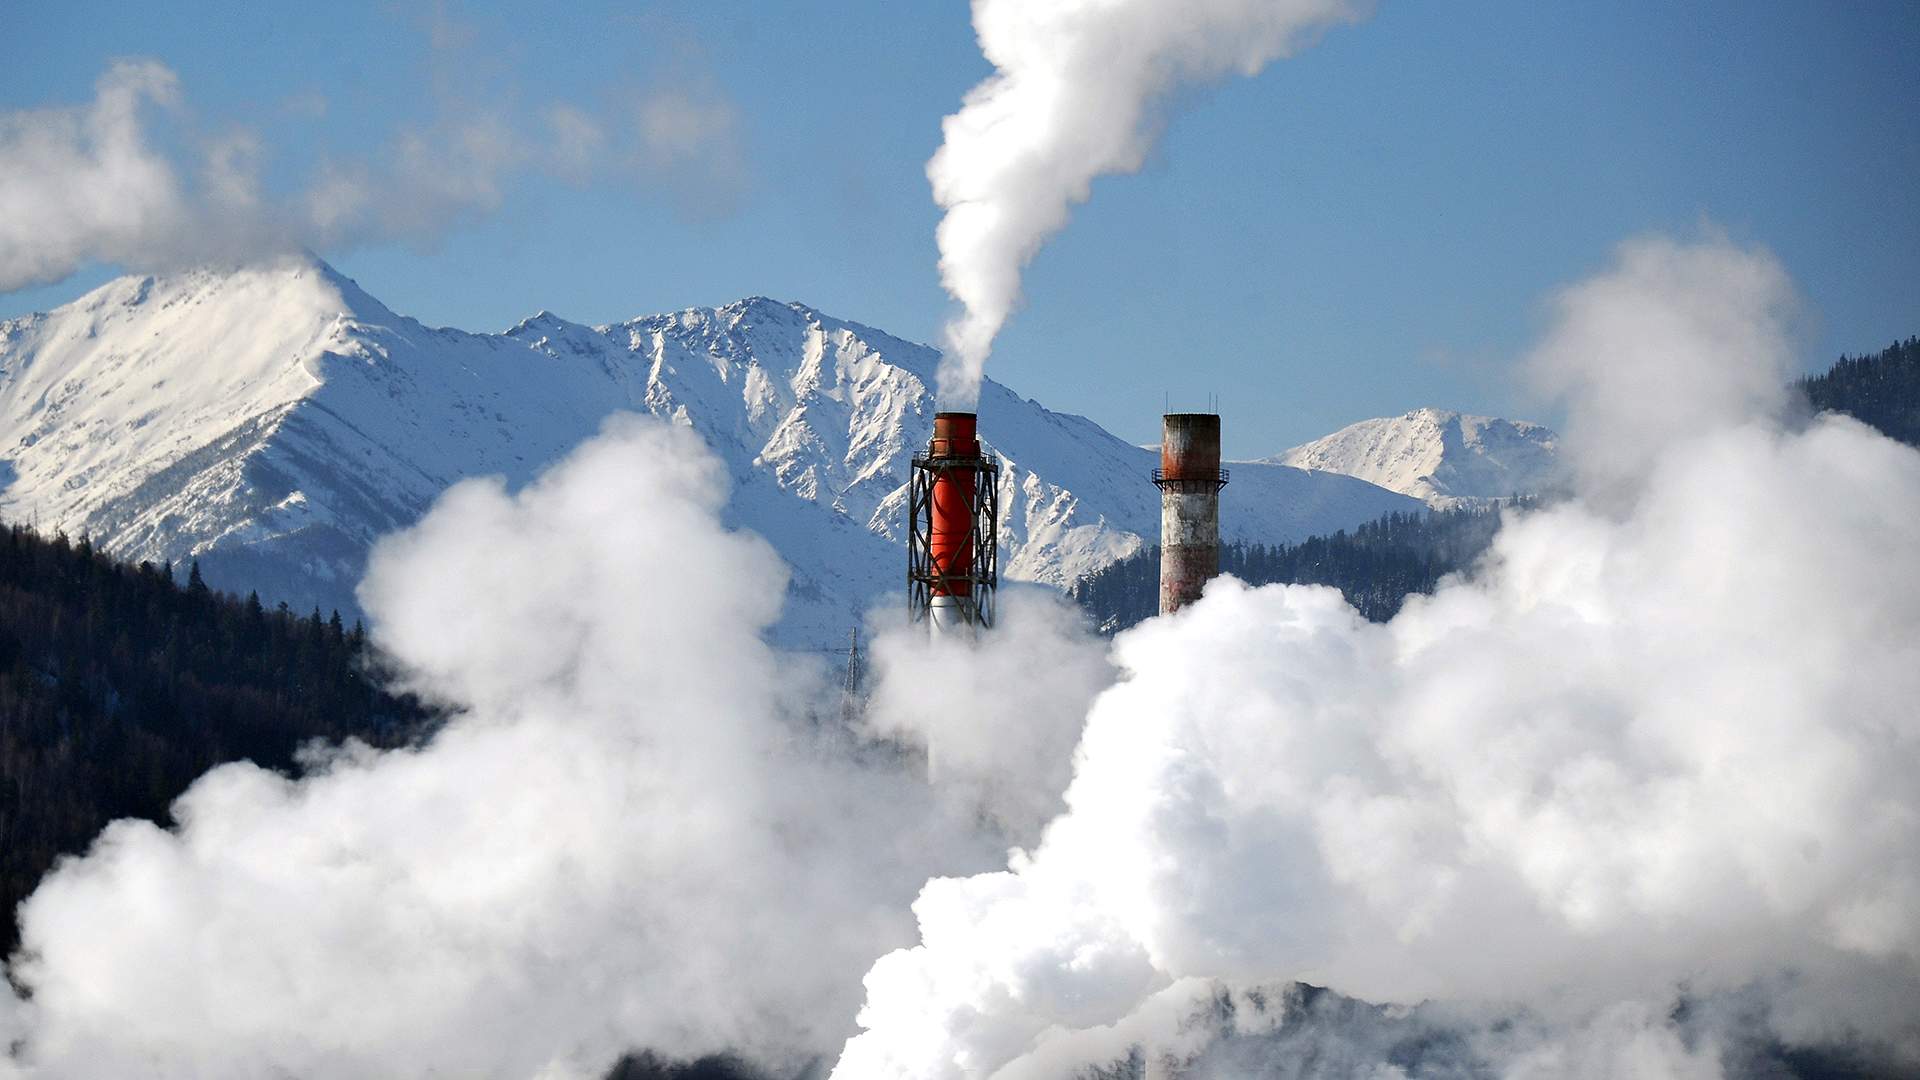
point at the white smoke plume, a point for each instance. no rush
(134, 179)
(1660, 745)
(1639, 373)
(996, 719)
(639, 831)
(1073, 97)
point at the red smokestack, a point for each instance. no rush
(953, 517)
(950, 542)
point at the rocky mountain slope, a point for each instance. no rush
(1442, 458)
(272, 421)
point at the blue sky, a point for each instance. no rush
(1366, 228)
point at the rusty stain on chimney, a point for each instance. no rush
(1190, 479)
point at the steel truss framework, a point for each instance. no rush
(924, 578)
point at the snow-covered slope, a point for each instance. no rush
(273, 421)
(1443, 458)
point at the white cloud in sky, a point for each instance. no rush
(690, 139)
(579, 142)
(101, 182)
(84, 182)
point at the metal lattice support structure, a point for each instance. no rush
(953, 525)
(855, 669)
(852, 703)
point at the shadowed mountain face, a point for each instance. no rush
(273, 421)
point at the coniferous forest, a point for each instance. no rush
(1882, 390)
(119, 686)
(1376, 566)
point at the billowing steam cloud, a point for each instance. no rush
(1664, 739)
(131, 179)
(1073, 97)
(645, 828)
(1001, 729)
(1636, 795)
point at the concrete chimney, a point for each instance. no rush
(1190, 479)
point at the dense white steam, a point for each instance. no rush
(646, 828)
(1680, 339)
(1665, 739)
(131, 178)
(997, 719)
(1660, 747)
(1073, 97)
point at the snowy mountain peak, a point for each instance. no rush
(299, 282)
(273, 421)
(1441, 457)
(99, 394)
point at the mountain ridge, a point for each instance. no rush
(272, 421)
(1442, 457)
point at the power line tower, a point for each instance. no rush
(854, 669)
(852, 702)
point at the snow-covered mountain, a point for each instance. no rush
(273, 421)
(1442, 458)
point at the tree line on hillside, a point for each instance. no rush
(1882, 390)
(119, 686)
(1375, 566)
(1379, 564)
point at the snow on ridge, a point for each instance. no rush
(1441, 457)
(273, 421)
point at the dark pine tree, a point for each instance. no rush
(1376, 566)
(1882, 390)
(119, 687)
(1379, 564)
